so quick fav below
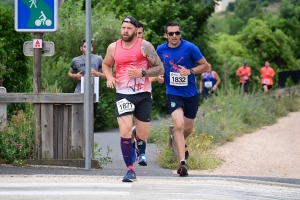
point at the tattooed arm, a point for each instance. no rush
(156, 66)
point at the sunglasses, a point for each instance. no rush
(172, 33)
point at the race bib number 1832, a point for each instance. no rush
(177, 80)
(124, 106)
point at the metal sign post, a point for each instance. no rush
(87, 87)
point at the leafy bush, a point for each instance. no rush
(17, 138)
(16, 78)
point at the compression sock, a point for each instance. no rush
(126, 148)
(141, 145)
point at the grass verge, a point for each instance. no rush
(222, 119)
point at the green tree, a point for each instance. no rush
(18, 75)
(232, 53)
(9, 2)
(266, 44)
(67, 40)
(289, 23)
(237, 21)
(217, 24)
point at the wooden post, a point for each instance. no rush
(172, 143)
(225, 77)
(37, 88)
(3, 111)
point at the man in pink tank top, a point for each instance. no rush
(136, 60)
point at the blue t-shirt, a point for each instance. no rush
(186, 55)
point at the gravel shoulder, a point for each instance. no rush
(271, 151)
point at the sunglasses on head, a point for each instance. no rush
(134, 24)
(172, 33)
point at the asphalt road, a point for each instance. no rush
(154, 182)
(94, 187)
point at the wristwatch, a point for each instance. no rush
(144, 73)
(192, 71)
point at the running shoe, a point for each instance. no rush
(182, 170)
(142, 160)
(186, 152)
(130, 176)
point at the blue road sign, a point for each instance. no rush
(36, 15)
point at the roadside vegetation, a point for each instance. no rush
(221, 119)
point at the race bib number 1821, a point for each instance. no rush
(124, 106)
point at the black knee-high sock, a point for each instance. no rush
(141, 145)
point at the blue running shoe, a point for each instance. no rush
(130, 176)
(142, 160)
(134, 154)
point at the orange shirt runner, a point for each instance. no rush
(265, 78)
(246, 71)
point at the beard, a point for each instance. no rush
(129, 38)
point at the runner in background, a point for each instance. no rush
(244, 73)
(209, 83)
(267, 75)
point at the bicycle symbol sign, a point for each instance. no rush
(36, 15)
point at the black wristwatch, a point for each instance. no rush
(192, 71)
(144, 73)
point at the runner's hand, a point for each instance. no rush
(111, 82)
(160, 79)
(94, 72)
(133, 72)
(214, 88)
(183, 71)
(78, 76)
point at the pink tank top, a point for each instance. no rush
(124, 58)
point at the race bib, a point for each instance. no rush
(177, 80)
(124, 106)
(266, 81)
(208, 84)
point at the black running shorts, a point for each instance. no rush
(140, 105)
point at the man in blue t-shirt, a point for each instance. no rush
(182, 60)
